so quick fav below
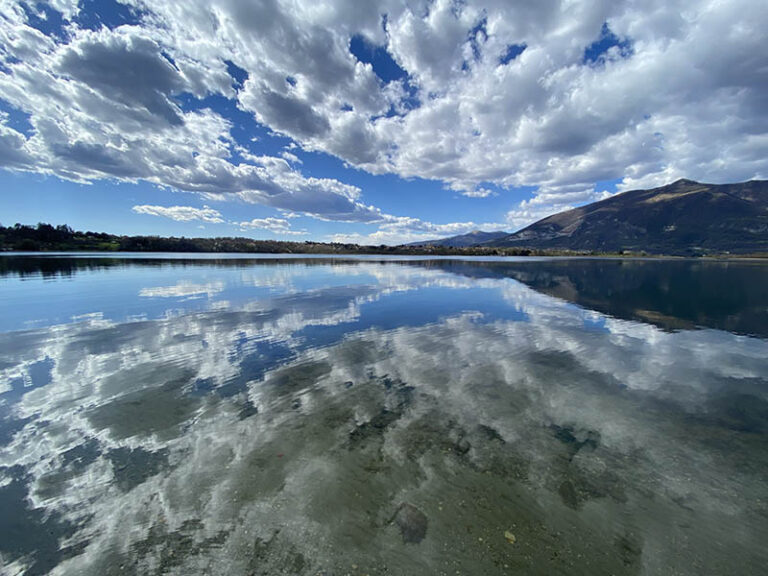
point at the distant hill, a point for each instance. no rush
(683, 218)
(464, 240)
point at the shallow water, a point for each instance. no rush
(360, 416)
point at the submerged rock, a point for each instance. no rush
(412, 523)
(568, 494)
(462, 446)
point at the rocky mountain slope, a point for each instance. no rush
(684, 218)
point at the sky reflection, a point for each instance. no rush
(281, 416)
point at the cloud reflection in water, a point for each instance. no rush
(282, 432)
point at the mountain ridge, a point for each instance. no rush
(685, 218)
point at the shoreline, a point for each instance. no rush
(48, 239)
(388, 255)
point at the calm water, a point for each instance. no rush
(328, 416)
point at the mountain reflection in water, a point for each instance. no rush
(304, 416)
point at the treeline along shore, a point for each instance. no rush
(62, 238)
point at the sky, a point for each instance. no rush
(369, 122)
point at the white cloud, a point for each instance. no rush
(278, 226)
(14, 152)
(478, 192)
(182, 213)
(291, 157)
(104, 104)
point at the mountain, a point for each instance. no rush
(682, 218)
(471, 239)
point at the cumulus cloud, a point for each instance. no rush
(275, 225)
(107, 104)
(280, 226)
(13, 148)
(478, 193)
(129, 70)
(555, 95)
(181, 213)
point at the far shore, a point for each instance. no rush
(389, 254)
(45, 238)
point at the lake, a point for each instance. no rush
(182, 414)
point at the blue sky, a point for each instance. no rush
(372, 122)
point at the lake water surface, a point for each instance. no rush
(187, 415)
